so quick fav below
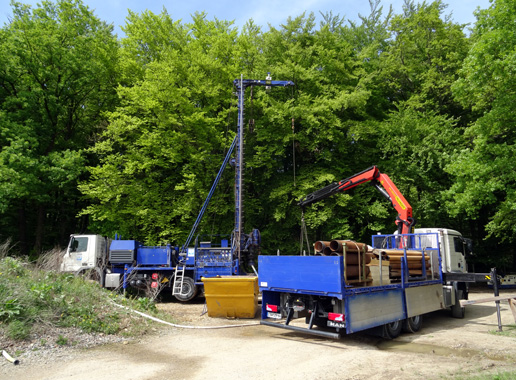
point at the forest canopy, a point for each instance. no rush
(126, 135)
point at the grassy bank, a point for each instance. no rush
(32, 297)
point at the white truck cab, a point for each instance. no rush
(84, 252)
(453, 248)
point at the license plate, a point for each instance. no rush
(273, 315)
(336, 324)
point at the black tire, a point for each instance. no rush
(392, 330)
(189, 290)
(413, 324)
(93, 274)
(456, 310)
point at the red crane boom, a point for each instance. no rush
(382, 182)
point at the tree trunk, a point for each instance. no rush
(40, 230)
(22, 230)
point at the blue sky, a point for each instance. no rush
(263, 12)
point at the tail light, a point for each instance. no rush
(154, 276)
(336, 317)
(273, 308)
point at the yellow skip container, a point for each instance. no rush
(231, 296)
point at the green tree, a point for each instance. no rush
(423, 59)
(285, 159)
(485, 184)
(57, 76)
(167, 139)
(371, 39)
(419, 135)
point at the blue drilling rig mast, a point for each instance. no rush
(241, 241)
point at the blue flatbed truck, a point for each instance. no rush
(314, 288)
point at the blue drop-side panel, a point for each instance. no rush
(306, 274)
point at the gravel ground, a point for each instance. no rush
(49, 343)
(444, 348)
(52, 343)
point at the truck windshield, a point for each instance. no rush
(80, 244)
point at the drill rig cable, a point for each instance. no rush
(294, 151)
(304, 234)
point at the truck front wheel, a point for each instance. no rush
(188, 291)
(92, 274)
(456, 310)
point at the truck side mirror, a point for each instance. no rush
(72, 247)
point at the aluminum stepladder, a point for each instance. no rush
(179, 276)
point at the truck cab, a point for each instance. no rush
(84, 252)
(452, 245)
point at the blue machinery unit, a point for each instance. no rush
(314, 287)
(137, 263)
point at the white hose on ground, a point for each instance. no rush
(185, 326)
(10, 358)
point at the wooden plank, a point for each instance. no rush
(490, 299)
(512, 305)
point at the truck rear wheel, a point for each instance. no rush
(392, 330)
(189, 290)
(413, 324)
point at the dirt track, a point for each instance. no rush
(443, 348)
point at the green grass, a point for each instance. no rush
(508, 330)
(511, 375)
(30, 297)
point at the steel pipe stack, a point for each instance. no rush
(414, 261)
(327, 251)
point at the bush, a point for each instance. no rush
(18, 330)
(10, 309)
(50, 260)
(13, 267)
(62, 341)
(145, 303)
(5, 248)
